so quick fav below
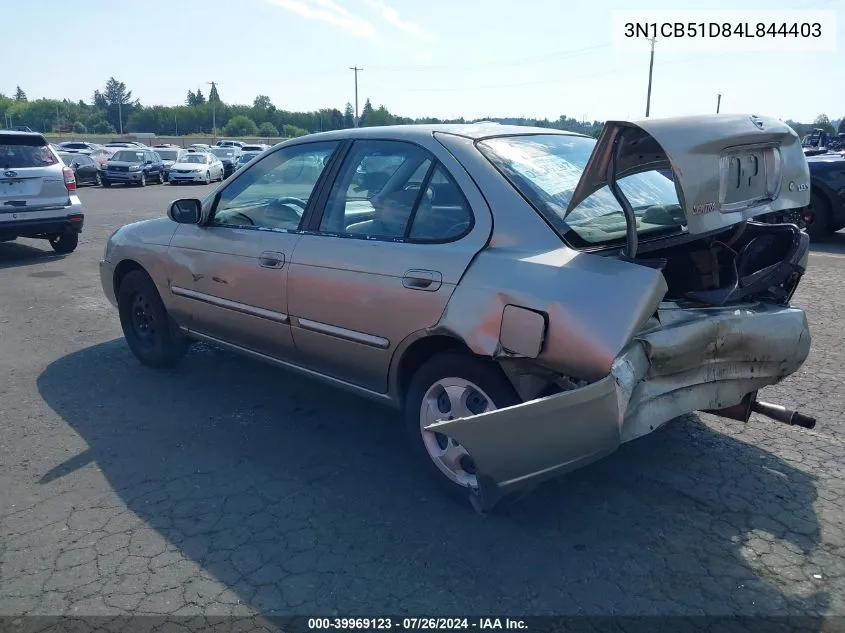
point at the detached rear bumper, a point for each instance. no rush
(695, 359)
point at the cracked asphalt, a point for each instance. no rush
(227, 487)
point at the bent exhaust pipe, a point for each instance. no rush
(750, 404)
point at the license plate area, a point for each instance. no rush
(748, 176)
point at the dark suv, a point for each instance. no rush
(37, 193)
(133, 166)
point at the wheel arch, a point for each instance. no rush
(415, 350)
(125, 267)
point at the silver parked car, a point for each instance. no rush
(529, 298)
(37, 193)
(201, 167)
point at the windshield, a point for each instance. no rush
(228, 153)
(128, 156)
(545, 169)
(67, 159)
(17, 153)
(193, 158)
(168, 154)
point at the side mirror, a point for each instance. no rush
(149, 162)
(74, 164)
(185, 211)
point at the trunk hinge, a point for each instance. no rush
(630, 251)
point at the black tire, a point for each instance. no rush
(207, 178)
(817, 216)
(143, 181)
(98, 180)
(106, 183)
(161, 177)
(487, 375)
(150, 333)
(65, 242)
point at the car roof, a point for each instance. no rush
(18, 133)
(474, 131)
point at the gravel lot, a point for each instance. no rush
(229, 487)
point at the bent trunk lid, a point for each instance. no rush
(726, 168)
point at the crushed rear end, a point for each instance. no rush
(718, 325)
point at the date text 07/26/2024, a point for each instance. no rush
(415, 624)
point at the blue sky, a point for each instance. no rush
(443, 58)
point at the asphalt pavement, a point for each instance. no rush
(229, 487)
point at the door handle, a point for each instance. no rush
(270, 259)
(428, 280)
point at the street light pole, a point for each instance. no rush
(356, 69)
(718, 102)
(650, 69)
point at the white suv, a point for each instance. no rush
(37, 193)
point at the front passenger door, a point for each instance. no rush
(229, 276)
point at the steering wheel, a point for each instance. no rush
(291, 200)
(244, 216)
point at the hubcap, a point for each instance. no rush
(143, 320)
(450, 399)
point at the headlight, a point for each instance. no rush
(135, 168)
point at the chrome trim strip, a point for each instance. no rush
(342, 332)
(337, 382)
(262, 313)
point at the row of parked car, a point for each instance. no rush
(133, 163)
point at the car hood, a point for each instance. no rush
(712, 159)
(158, 231)
(188, 166)
(122, 163)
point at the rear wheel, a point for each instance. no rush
(207, 178)
(106, 183)
(99, 179)
(161, 177)
(148, 329)
(143, 181)
(450, 386)
(816, 217)
(65, 242)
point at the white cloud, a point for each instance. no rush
(331, 12)
(392, 15)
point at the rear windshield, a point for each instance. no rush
(223, 152)
(168, 154)
(18, 152)
(545, 169)
(128, 156)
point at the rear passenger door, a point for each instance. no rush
(398, 229)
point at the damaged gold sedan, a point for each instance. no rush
(531, 299)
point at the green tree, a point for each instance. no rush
(262, 102)
(366, 114)
(822, 121)
(213, 96)
(267, 129)
(191, 99)
(349, 116)
(20, 95)
(199, 97)
(841, 129)
(118, 102)
(79, 128)
(240, 126)
(103, 127)
(293, 131)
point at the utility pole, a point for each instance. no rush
(213, 84)
(356, 69)
(650, 69)
(718, 102)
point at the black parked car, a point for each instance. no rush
(228, 156)
(826, 212)
(85, 169)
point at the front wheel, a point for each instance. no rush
(106, 183)
(207, 178)
(450, 386)
(149, 332)
(143, 181)
(65, 242)
(99, 180)
(161, 177)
